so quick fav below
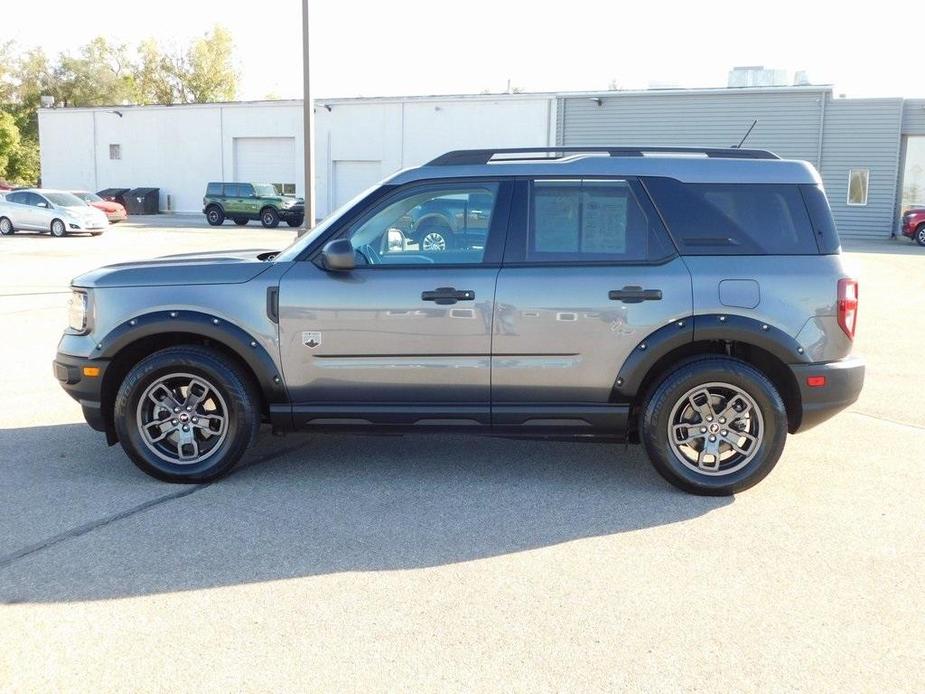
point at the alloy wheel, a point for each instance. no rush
(715, 429)
(433, 241)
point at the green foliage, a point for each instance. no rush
(103, 73)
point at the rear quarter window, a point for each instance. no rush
(734, 218)
(214, 190)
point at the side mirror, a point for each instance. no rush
(338, 255)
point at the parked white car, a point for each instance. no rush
(54, 211)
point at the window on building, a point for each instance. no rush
(734, 218)
(857, 186)
(115, 151)
(285, 188)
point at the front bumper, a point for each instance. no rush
(291, 213)
(843, 382)
(116, 216)
(86, 390)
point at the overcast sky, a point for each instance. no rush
(411, 47)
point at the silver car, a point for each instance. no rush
(55, 211)
(694, 302)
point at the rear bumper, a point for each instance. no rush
(843, 382)
(85, 390)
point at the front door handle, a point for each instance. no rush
(448, 295)
(634, 294)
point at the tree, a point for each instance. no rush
(100, 75)
(208, 73)
(9, 141)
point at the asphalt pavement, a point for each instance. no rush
(430, 562)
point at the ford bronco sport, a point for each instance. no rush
(694, 301)
(242, 202)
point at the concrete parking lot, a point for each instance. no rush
(439, 562)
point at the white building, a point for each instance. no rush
(179, 149)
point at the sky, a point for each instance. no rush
(408, 47)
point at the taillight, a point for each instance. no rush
(848, 305)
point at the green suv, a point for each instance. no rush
(242, 202)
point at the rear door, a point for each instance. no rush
(588, 274)
(233, 204)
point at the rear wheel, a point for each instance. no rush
(434, 237)
(269, 218)
(58, 229)
(215, 216)
(920, 235)
(186, 414)
(6, 226)
(241, 221)
(714, 426)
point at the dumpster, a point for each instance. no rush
(142, 200)
(114, 194)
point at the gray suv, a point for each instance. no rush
(690, 300)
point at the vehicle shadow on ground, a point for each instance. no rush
(321, 504)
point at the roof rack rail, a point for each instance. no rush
(483, 156)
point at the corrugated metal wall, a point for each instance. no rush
(914, 117)
(788, 120)
(801, 123)
(862, 134)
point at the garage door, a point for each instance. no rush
(353, 177)
(265, 160)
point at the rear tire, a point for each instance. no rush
(6, 227)
(215, 216)
(920, 234)
(167, 440)
(241, 221)
(58, 229)
(269, 217)
(434, 238)
(728, 424)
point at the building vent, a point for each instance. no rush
(756, 76)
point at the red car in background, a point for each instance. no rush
(113, 210)
(913, 224)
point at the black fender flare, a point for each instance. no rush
(193, 322)
(713, 327)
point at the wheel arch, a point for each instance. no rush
(434, 217)
(137, 338)
(759, 344)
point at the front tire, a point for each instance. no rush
(920, 234)
(186, 414)
(6, 227)
(714, 426)
(58, 230)
(215, 216)
(269, 217)
(295, 222)
(434, 238)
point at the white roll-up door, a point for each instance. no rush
(265, 160)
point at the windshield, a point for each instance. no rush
(300, 242)
(64, 199)
(265, 190)
(89, 197)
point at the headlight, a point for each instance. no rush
(77, 311)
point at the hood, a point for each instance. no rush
(106, 205)
(218, 267)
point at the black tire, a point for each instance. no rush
(241, 221)
(58, 228)
(920, 234)
(295, 222)
(429, 235)
(235, 389)
(215, 216)
(670, 393)
(6, 227)
(269, 217)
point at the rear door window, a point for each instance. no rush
(734, 218)
(214, 190)
(232, 190)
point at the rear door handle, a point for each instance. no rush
(448, 295)
(634, 295)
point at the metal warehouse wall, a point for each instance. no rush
(914, 117)
(788, 120)
(862, 134)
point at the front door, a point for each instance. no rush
(405, 337)
(588, 274)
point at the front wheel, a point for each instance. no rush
(295, 222)
(6, 226)
(434, 237)
(58, 229)
(715, 426)
(186, 414)
(269, 218)
(920, 235)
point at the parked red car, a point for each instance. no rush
(913, 224)
(113, 210)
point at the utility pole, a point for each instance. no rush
(308, 126)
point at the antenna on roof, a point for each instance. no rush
(749, 132)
